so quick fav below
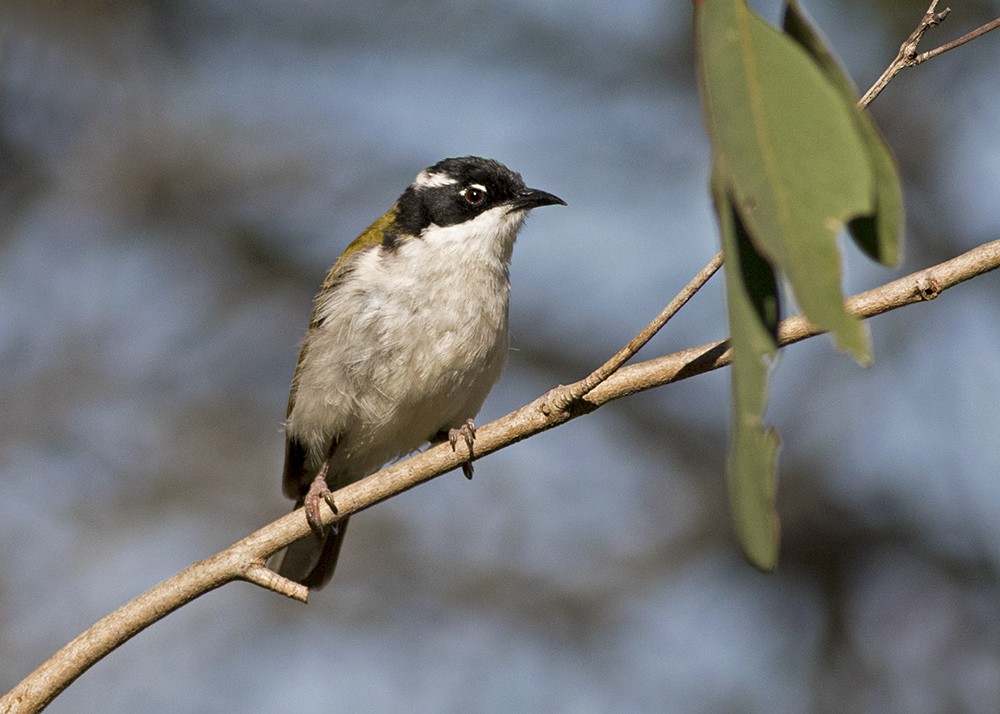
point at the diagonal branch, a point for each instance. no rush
(917, 287)
(245, 559)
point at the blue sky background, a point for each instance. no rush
(176, 178)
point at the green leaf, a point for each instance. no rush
(879, 235)
(790, 154)
(751, 468)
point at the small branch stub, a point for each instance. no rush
(261, 575)
(927, 288)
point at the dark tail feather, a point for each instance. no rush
(311, 560)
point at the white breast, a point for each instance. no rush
(411, 341)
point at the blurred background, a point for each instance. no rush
(176, 178)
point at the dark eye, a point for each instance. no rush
(474, 195)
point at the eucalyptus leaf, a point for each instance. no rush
(751, 466)
(790, 153)
(880, 234)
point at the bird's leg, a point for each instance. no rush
(467, 432)
(318, 491)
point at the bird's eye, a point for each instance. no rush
(474, 195)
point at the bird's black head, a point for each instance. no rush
(457, 190)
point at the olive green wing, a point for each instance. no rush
(295, 481)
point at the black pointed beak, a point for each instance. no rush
(528, 198)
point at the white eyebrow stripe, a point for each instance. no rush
(426, 179)
(479, 186)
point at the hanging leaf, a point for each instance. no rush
(751, 468)
(879, 235)
(790, 154)
(795, 162)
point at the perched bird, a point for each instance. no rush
(408, 335)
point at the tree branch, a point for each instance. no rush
(245, 559)
(921, 286)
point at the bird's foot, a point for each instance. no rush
(466, 432)
(318, 491)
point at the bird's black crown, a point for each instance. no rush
(454, 191)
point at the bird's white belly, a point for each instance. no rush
(400, 355)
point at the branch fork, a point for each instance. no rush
(907, 55)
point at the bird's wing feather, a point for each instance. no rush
(295, 480)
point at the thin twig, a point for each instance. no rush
(907, 51)
(907, 55)
(581, 388)
(968, 37)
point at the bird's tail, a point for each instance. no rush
(312, 560)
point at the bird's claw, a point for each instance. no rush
(318, 491)
(467, 432)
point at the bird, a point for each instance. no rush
(407, 336)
